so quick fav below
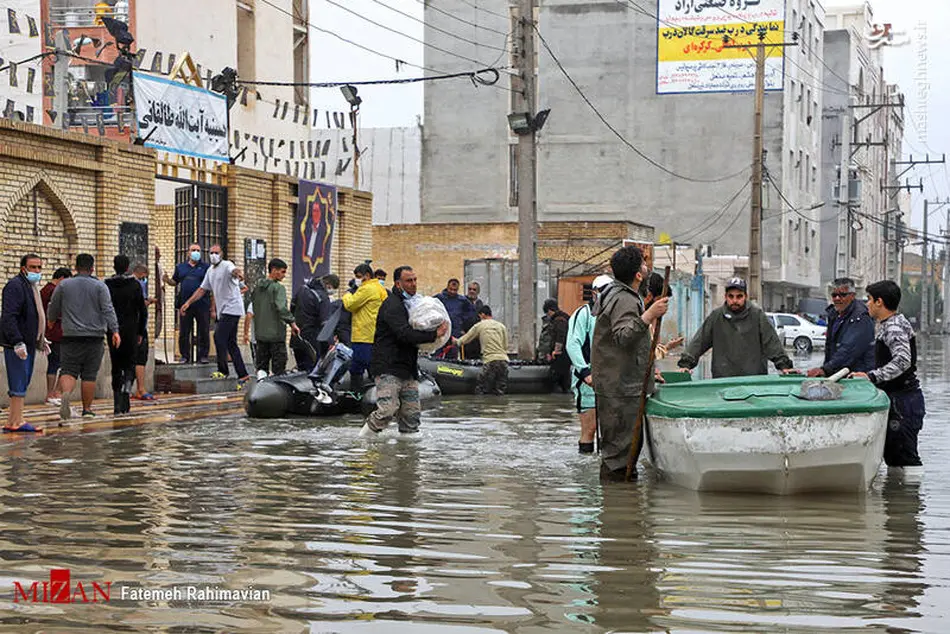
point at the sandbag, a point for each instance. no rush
(426, 314)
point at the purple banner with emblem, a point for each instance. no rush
(313, 231)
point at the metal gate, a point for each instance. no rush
(201, 215)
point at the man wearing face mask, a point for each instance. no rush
(22, 326)
(224, 282)
(197, 320)
(741, 337)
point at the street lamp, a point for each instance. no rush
(522, 123)
(352, 97)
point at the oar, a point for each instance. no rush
(641, 412)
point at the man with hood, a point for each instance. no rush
(129, 304)
(620, 358)
(741, 337)
(580, 331)
(311, 310)
(271, 318)
(849, 342)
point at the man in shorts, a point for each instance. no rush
(84, 307)
(54, 336)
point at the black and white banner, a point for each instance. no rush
(179, 118)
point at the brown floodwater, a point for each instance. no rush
(488, 521)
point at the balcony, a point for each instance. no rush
(85, 13)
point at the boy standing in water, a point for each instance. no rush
(895, 372)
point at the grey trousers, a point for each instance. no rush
(616, 416)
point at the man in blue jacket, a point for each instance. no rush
(23, 326)
(461, 310)
(849, 342)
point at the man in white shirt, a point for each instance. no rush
(223, 281)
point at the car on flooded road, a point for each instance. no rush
(797, 332)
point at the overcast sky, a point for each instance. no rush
(386, 106)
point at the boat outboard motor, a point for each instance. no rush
(331, 369)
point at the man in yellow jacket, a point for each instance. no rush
(364, 306)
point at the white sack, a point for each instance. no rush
(428, 314)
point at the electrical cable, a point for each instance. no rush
(405, 35)
(474, 75)
(440, 30)
(734, 220)
(28, 60)
(620, 136)
(696, 231)
(792, 207)
(488, 11)
(463, 20)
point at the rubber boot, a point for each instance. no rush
(356, 383)
(117, 402)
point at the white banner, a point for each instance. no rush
(21, 81)
(179, 118)
(691, 52)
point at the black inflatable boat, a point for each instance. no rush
(295, 395)
(459, 377)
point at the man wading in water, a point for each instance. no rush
(620, 358)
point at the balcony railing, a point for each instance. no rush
(88, 16)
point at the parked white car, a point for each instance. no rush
(798, 332)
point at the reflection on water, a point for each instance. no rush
(488, 521)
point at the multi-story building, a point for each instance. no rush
(702, 139)
(862, 111)
(273, 128)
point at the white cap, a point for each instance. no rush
(601, 282)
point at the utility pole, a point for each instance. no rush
(924, 282)
(61, 80)
(946, 274)
(755, 219)
(843, 255)
(525, 102)
(926, 278)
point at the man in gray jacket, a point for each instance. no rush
(83, 305)
(741, 337)
(620, 358)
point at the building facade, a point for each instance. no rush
(859, 229)
(585, 172)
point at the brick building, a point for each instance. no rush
(63, 193)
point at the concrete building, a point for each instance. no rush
(587, 173)
(21, 90)
(861, 108)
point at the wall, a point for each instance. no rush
(584, 171)
(438, 251)
(390, 167)
(84, 189)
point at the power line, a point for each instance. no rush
(696, 231)
(430, 7)
(474, 75)
(440, 30)
(617, 133)
(405, 35)
(792, 207)
(488, 11)
(28, 60)
(734, 220)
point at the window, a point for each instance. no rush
(246, 41)
(788, 320)
(807, 174)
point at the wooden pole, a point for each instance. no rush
(642, 410)
(755, 220)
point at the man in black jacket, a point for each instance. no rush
(23, 325)
(311, 309)
(129, 304)
(396, 360)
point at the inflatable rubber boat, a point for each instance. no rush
(296, 395)
(459, 377)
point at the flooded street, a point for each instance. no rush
(488, 521)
